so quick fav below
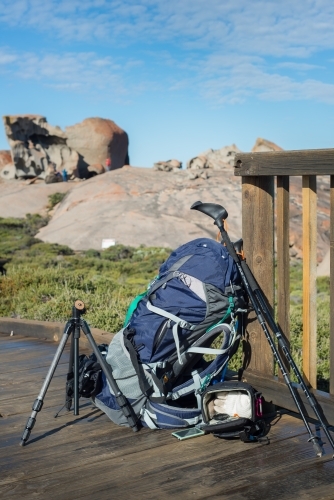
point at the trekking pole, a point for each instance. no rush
(219, 214)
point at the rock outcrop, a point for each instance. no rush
(137, 206)
(41, 150)
(215, 159)
(152, 206)
(262, 145)
(96, 139)
(167, 166)
(7, 167)
(38, 148)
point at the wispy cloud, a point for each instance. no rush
(297, 66)
(234, 79)
(225, 51)
(296, 28)
(83, 71)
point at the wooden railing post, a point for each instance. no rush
(310, 279)
(283, 259)
(258, 236)
(331, 256)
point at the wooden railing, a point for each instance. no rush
(258, 172)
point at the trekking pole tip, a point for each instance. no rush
(317, 449)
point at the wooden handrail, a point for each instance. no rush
(258, 172)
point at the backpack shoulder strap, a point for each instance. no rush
(144, 385)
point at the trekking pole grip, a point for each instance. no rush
(249, 276)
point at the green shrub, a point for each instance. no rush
(54, 199)
(44, 279)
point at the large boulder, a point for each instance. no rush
(96, 139)
(38, 147)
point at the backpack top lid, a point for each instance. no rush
(209, 261)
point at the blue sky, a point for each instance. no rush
(179, 76)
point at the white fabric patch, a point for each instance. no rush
(234, 403)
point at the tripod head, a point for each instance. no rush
(213, 210)
(80, 306)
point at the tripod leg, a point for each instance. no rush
(70, 375)
(122, 402)
(76, 368)
(38, 403)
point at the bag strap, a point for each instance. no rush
(144, 385)
(178, 323)
(161, 280)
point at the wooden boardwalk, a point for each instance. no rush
(88, 457)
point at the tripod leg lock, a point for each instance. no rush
(127, 411)
(37, 406)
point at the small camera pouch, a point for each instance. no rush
(234, 410)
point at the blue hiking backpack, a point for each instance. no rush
(157, 359)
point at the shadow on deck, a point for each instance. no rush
(87, 456)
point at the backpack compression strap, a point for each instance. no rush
(144, 385)
(178, 323)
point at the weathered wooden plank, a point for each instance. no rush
(304, 162)
(278, 392)
(49, 330)
(283, 260)
(197, 468)
(258, 237)
(303, 481)
(310, 279)
(90, 457)
(331, 340)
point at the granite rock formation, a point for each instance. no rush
(38, 148)
(264, 145)
(96, 139)
(152, 207)
(41, 150)
(137, 206)
(7, 168)
(167, 166)
(215, 159)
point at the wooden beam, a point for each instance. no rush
(258, 236)
(331, 257)
(309, 279)
(279, 393)
(283, 260)
(305, 162)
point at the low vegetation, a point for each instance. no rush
(43, 280)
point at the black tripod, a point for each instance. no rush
(73, 326)
(262, 311)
